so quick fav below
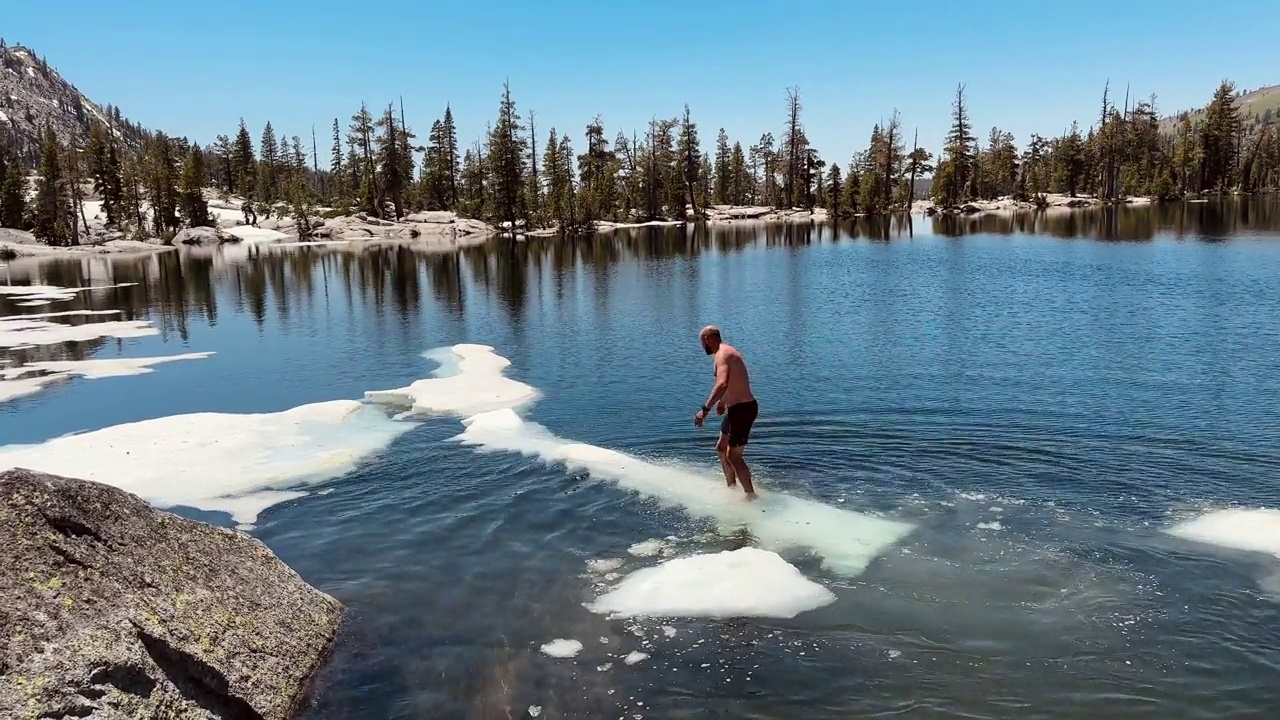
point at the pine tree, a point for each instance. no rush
(834, 190)
(73, 174)
(365, 181)
(161, 181)
(723, 171)
(393, 165)
(243, 170)
(1220, 139)
(891, 160)
(191, 203)
(792, 149)
(959, 153)
(104, 168)
(450, 157)
(917, 166)
(337, 177)
(269, 167)
(690, 160)
(13, 192)
(740, 184)
(762, 158)
(223, 174)
(51, 212)
(131, 197)
(506, 163)
(595, 174)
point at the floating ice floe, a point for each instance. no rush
(240, 464)
(19, 331)
(748, 582)
(470, 380)
(37, 295)
(562, 648)
(15, 384)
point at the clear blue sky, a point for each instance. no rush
(195, 68)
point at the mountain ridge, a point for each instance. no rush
(34, 95)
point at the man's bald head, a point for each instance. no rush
(710, 337)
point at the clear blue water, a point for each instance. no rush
(1085, 381)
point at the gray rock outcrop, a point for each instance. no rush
(203, 236)
(111, 609)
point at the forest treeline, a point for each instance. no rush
(517, 175)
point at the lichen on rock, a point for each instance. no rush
(110, 608)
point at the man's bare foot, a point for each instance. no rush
(752, 497)
(733, 483)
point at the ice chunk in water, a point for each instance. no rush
(562, 648)
(470, 380)
(748, 582)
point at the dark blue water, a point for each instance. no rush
(1074, 384)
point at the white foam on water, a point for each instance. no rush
(562, 648)
(42, 332)
(470, 380)
(635, 657)
(240, 464)
(747, 582)
(535, 710)
(668, 631)
(846, 540)
(990, 526)
(1251, 529)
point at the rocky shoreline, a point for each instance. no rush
(112, 608)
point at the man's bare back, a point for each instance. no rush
(732, 397)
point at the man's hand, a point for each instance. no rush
(720, 408)
(699, 417)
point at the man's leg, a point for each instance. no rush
(741, 470)
(722, 449)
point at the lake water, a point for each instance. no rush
(1039, 397)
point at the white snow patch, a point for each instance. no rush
(668, 631)
(42, 332)
(239, 464)
(535, 710)
(636, 657)
(847, 541)
(747, 582)
(1251, 529)
(561, 648)
(470, 380)
(251, 234)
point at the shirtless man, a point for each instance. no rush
(732, 398)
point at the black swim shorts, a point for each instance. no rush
(738, 420)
